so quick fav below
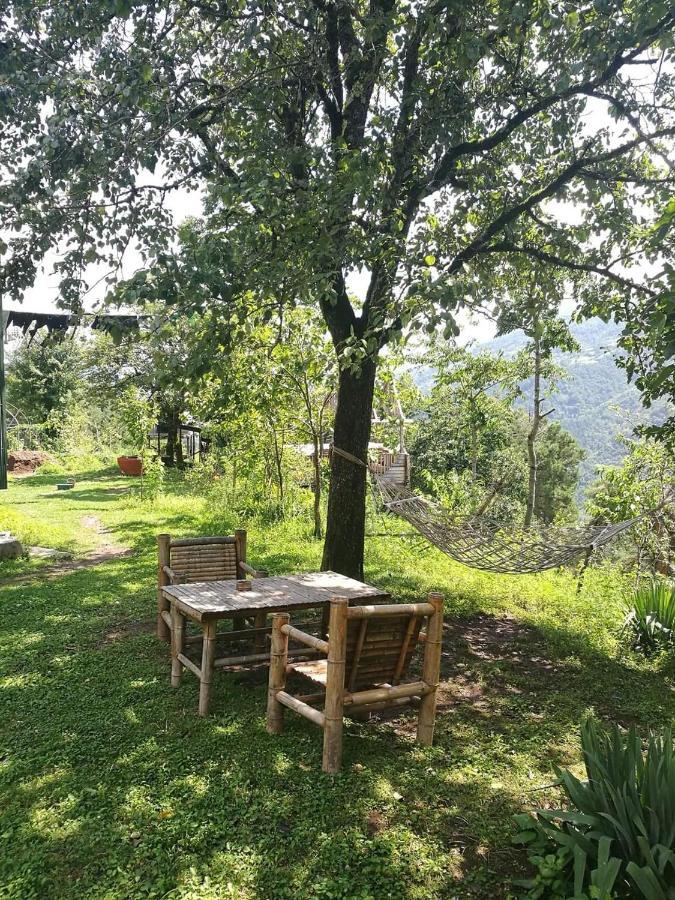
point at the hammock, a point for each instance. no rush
(483, 544)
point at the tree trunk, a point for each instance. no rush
(170, 440)
(532, 437)
(180, 462)
(346, 521)
(318, 447)
(474, 451)
(174, 446)
(278, 466)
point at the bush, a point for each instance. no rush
(51, 467)
(651, 617)
(616, 839)
(152, 479)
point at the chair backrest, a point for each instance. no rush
(379, 648)
(206, 558)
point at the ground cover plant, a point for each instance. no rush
(616, 834)
(651, 617)
(111, 786)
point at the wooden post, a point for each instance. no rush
(239, 622)
(240, 544)
(277, 678)
(163, 551)
(177, 644)
(335, 685)
(431, 671)
(208, 655)
(259, 621)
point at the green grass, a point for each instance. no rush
(112, 787)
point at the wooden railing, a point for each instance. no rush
(384, 462)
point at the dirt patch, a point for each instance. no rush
(108, 543)
(108, 550)
(25, 462)
(473, 649)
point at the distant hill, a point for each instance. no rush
(596, 403)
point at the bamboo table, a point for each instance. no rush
(205, 603)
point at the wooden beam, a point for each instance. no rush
(163, 627)
(363, 628)
(390, 609)
(303, 709)
(335, 685)
(383, 694)
(197, 541)
(400, 663)
(253, 658)
(192, 666)
(277, 676)
(303, 638)
(431, 671)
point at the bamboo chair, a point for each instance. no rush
(369, 649)
(188, 560)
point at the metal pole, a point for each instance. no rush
(3, 432)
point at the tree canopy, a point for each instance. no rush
(422, 145)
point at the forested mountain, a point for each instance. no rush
(595, 403)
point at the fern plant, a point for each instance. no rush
(616, 838)
(651, 617)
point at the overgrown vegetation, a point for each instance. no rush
(616, 836)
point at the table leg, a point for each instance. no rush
(260, 621)
(208, 655)
(177, 644)
(325, 618)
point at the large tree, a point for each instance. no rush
(419, 143)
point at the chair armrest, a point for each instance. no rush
(254, 573)
(174, 576)
(303, 638)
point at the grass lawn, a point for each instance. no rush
(112, 787)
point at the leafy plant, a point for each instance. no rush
(617, 836)
(152, 479)
(651, 617)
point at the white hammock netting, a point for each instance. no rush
(483, 544)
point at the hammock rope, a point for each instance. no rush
(484, 544)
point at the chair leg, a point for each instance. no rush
(277, 676)
(433, 646)
(177, 644)
(335, 686)
(208, 655)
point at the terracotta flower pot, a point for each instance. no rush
(130, 465)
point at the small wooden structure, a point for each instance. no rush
(368, 653)
(189, 437)
(392, 468)
(206, 603)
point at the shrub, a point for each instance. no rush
(651, 617)
(52, 468)
(152, 479)
(617, 836)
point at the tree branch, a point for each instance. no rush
(439, 178)
(573, 170)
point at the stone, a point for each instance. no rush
(10, 547)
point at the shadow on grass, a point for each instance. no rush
(114, 786)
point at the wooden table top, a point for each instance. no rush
(207, 600)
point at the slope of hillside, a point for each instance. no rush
(595, 402)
